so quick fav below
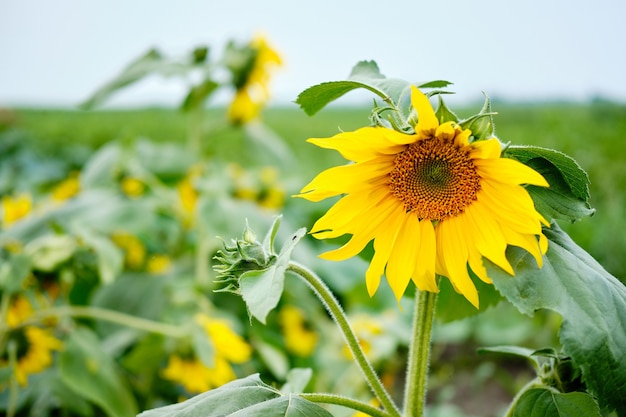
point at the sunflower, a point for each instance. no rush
(33, 345)
(253, 87)
(435, 202)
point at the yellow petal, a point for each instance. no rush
(508, 171)
(402, 260)
(511, 205)
(424, 273)
(368, 227)
(426, 119)
(365, 143)
(476, 264)
(383, 245)
(486, 149)
(453, 251)
(346, 179)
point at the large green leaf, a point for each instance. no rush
(568, 195)
(249, 397)
(92, 373)
(591, 301)
(542, 402)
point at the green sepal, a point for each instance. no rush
(481, 125)
(543, 402)
(248, 397)
(591, 301)
(567, 197)
(443, 113)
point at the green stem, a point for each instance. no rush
(107, 315)
(338, 315)
(324, 398)
(13, 388)
(419, 354)
(4, 310)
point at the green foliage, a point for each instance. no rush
(568, 195)
(90, 372)
(542, 402)
(593, 306)
(248, 396)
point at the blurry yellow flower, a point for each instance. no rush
(14, 209)
(33, 345)
(67, 188)
(434, 203)
(228, 347)
(253, 93)
(132, 187)
(188, 195)
(373, 402)
(158, 264)
(366, 329)
(134, 249)
(192, 374)
(260, 187)
(299, 338)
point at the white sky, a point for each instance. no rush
(58, 52)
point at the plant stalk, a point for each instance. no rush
(324, 398)
(338, 315)
(419, 354)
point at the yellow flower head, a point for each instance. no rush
(67, 188)
(14, 209)
(229, 348)
(132, 187)
(158, 264)
(433, 203)
(134, 249)
(299, 338)
(253, 93)
(33, 345)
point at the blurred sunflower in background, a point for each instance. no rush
(251, 69)
(28, 349)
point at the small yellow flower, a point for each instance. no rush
(366, 329)
(132, 187)
(299, 338)
(134, 249)
(14, 209)
(67, 188)
(228, 347)
(158, 264)
(188, 195)
(33, 345)
(434, 202)
(253, 93)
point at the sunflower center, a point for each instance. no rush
(435, 178)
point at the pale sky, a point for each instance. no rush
(58, 52)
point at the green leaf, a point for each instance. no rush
(452, 306)
(297, 380)
(91, 373)
(591, 301)
(568, 195)
(110, 257)
(365, 75)
(249, 397)
(13, 273)
(49, 251)
(198, 95)
(512, 350)
(542, 402)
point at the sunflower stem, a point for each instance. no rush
(419, 354)
(338, 315)
(347, 402)
(110, 316)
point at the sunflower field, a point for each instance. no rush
(166, 262)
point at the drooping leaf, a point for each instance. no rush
(568, 195)
(591, 301)
(198, 95)
(365, 75)
(542, 402)
(262, 289)
(249, 397)
(91, 373)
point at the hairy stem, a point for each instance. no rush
(324, 398)
(338, 315)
